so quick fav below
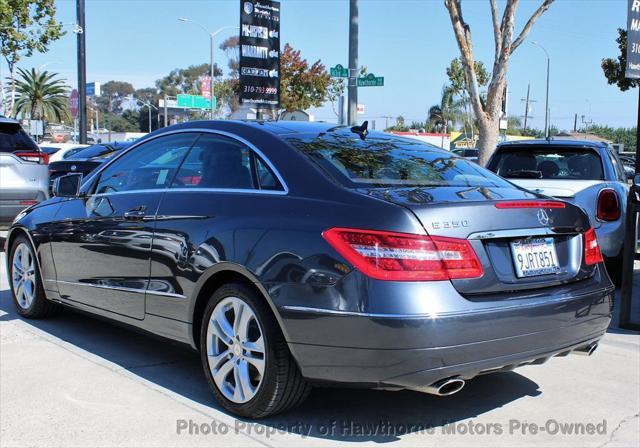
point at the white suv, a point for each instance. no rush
(24, 176)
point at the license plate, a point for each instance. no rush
(536, 256)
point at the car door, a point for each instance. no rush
(208, 212)
(101, 243)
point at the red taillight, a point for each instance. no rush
(404, 256)
(29, 202)
(592, 254)
(608, 205)
(530, 204)
(38, 157)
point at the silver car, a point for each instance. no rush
(585, 173)
(24, 176)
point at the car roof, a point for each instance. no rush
(272, 127)
(567, 144)
(5, 120)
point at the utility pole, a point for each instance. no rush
(527, 101)
(546, 106)
(386, 121)
(352, 88)
(575, 123)
(82, 74)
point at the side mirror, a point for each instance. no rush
(67, 186)
(636, 181)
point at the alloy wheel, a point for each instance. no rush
(23, 275)
(235, 349)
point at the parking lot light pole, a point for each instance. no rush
(212, 37)
(546, 108)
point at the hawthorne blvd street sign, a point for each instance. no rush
(339, 72)
(371, 80)
(193, 101)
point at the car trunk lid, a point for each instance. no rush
(564, 189)
(471, 213)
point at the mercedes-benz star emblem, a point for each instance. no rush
(543, 217)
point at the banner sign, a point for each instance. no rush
(205, 86)
(260, 53)
(633, 40)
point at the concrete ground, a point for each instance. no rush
(77, 381)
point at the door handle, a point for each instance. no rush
(136, 214)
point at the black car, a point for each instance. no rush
(84, 160)
(290, 254)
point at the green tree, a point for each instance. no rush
(232, 49)
(442, 117)
(614, 68)
(26, 26)
(41, 96)
(457, 80)
(185, 80)
(113, 94)
(301, 85)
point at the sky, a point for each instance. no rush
(409, 42)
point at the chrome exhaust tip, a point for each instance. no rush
(586, 350)
(448, 386)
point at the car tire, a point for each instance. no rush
(227, 341)
(26, 282)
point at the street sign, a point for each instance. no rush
(193, 101)
(633, 40)
(371, 80)
(73, 103)
(186, 102)
(93, 89)
(339, 72)
(260, 53)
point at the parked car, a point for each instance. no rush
(59, 151)
(587, 174)
(467, 153)
(83, 160)
(24, 178)
(291, 253)
(628, 164)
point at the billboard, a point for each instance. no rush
(632, 70)
(260, 53)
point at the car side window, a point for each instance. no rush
(266, 178)
(149, 166)
(217, 161)
(617, 165)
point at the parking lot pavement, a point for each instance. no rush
(77, 381)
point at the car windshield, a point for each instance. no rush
(13, 138)
(106, 150)
(547, 163)
(385, 160)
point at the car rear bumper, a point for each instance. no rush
(414, 351)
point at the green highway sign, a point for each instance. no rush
(193, 101)
(371, 80)
(339, 72)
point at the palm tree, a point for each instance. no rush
(41, 96)
(446, 114)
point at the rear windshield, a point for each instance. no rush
(13, 138)
(96, 151)
(548, 163)
(384, 160)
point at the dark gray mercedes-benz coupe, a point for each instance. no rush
(292, 254)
